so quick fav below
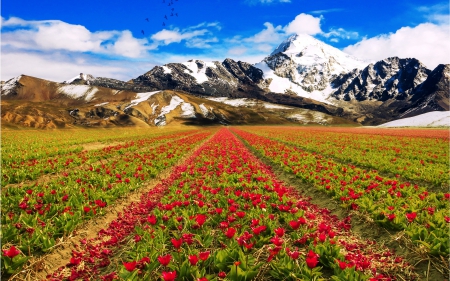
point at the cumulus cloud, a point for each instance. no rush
(51, 35)
(60, 66)
(427, 42)
(304, 23)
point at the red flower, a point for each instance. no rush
(222, 274)
(279, 231)
(193, 259)
(322, 237)
(294, 224)
(152, 219)
(164, 260)
(411, 216)
(277, 241)
(391, 217)
(86, 209)
(11, 252)
(204, 255)
(202, 279)
(312, 259)
(177, 243)
(259, 229)
(130, 266)
(169, 275)
(137, 238)
(230, 232)
(200, 219)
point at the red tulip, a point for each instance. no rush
(130, 266)
(169, 275)
(230, 232)
(193, 259)
(204, 255)
(279, 231)
(177, 243)
(164, 260)
(312, 259)
(11, 252)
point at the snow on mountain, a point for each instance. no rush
(247, 103)
(81, 76)
(78, 91)
(187, 110)
(305, 66)
(308, 53)
(10, 85)
(430, 119)
(197, 69)
(140, 97)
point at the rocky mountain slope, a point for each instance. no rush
(37, 103)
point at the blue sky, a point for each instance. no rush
(56, 40)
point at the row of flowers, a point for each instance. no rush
(17, 172)
(393, 204)
(416, 159)
(35, 216)
(223, 215)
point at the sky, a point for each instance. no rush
(57, 40)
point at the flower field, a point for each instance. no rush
(222, 213)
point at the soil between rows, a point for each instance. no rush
(428, 268)
(40, 267)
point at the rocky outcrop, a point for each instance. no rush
(431, 95)
(392, 78)
(226, 79)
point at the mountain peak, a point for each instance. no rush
(81, 76)
(295, 43)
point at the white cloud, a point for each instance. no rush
(51, 35)
(192, 36)
(237, 51)
(340, 33)
(438, 13)
(304, 23)
(428, 42)
(60, 66)
(269, 34)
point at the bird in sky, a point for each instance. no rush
(165, 16)
(142, 32)
(146, 19)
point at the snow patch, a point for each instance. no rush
(140, 97)
(102, 104)
(154, 107)
(78, 91)
(246, 103)
(166, 69)
(430, 119)
(198, 73)
(187, 110)
(204, 110)
(9, 85)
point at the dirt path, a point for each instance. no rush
(40, 267)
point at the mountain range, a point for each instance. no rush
(301, 77)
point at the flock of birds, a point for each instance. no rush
(172, 13)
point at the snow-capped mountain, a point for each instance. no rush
(305, 66)
(391, 78)
(227, 79)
